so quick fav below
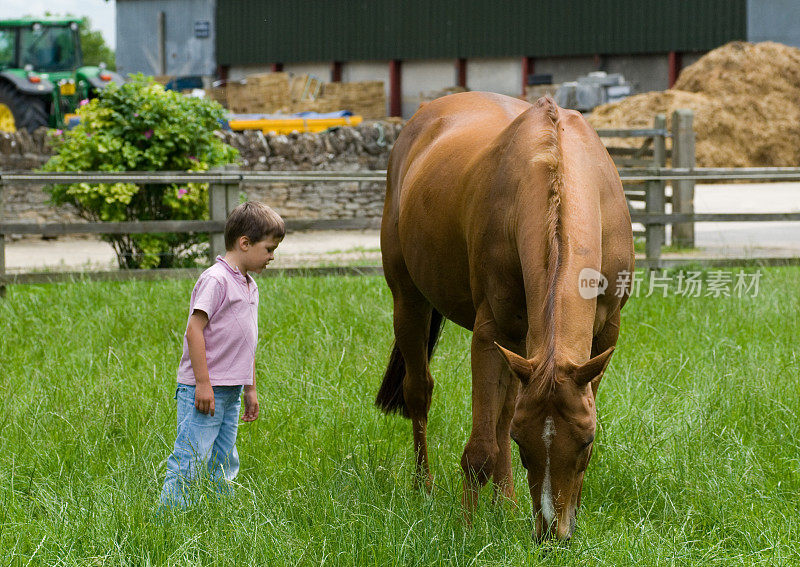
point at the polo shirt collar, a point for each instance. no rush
(235, 271)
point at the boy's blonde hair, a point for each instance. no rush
(254, 220)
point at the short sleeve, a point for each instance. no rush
(207, 296)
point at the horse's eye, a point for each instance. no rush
(587, 443)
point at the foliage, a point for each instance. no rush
(94, 47)
(138, 126)
(696, 461)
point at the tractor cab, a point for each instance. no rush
(45, 48)
(42, 77)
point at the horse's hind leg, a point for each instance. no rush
(412, 328)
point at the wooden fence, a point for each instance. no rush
(653, 154)
(643, 172)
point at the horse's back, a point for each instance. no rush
(423, 237)
(440, 140)
(454, 182)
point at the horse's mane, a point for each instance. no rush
(544, 376)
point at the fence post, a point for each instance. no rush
(654, 196)
(2, 245)
(216, 211)
(660, 142)
(222, 199)
(683, 190)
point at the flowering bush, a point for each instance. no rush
(138, 126)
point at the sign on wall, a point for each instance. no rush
(202, 29)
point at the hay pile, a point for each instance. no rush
(269, 93)
(746, 100)
(263, 92)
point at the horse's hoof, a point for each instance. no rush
(424, 483)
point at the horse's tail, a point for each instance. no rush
(390, 397)
(551, 157)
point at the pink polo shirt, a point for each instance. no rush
(231, 302)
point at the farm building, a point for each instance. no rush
(420, 47)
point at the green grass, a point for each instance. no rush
(639, 245)
(697, 458)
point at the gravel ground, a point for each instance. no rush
(298, 249)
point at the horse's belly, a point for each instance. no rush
(436, 257)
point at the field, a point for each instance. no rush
(697, 458)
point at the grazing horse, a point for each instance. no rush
(510, 220)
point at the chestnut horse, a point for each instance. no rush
(496, 210)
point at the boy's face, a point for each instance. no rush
(258, 254)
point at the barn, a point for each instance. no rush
(418, 47)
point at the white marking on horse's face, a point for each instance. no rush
(548, 510)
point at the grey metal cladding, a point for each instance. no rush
(258, 31)
(187, 51)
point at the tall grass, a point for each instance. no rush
(697, 458)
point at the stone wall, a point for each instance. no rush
(364, 147)
(22, 151)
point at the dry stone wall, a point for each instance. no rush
(364, 147)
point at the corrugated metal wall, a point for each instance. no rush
(258, 31)
(185, 53)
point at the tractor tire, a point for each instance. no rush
(29, 112)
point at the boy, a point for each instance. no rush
(218, 359)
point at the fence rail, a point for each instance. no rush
(649, 176)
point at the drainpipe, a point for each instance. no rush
(461, 73)
(528, 68)
(395, 88)
(162, 43)
(675, 65)
(336, 72)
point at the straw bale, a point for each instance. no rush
(218, 94)
(746, 100)
(365, 98)
(277, 92)
(259, 93)
(433, 95)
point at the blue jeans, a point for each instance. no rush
(203, 443)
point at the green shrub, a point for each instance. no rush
(138, 126)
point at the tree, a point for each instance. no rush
(94, 47)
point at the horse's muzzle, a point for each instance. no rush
(555, 533)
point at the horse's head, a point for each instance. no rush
(554, 427)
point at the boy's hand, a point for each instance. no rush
(204, 398)
(250, 404)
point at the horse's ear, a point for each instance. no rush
(520, 367)
(592, 370)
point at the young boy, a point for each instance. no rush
(218, 359)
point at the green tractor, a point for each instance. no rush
(42, 77)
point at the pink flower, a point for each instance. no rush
(148, 134)
(181, 192)
(84, 102)
(59, 132)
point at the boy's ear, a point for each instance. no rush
(244, 242)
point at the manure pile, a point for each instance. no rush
(746, 102)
